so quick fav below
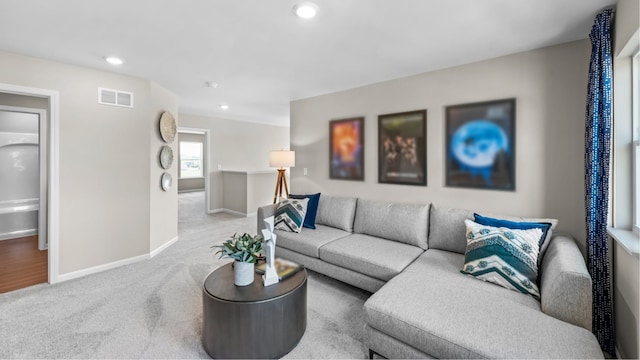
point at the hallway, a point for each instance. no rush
(191, 212)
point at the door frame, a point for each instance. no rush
(53, 175)
(206, 150)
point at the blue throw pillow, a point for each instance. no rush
(487, 221)
(312, 209)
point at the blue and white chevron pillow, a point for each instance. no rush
(290, 214)
(503, 256)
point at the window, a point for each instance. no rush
(635, 81)
(190, 160)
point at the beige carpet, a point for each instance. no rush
(153, 309)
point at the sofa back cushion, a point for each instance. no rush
(447, 230)
(406, 223)
(337, 212)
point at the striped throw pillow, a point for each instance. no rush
(503, 256)
(290, 214)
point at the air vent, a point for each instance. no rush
(115, 97)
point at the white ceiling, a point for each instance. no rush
(263, 56)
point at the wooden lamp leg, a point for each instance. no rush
(275, 194)
(284, 180)
(281, 178)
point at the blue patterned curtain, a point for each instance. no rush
(597, 151)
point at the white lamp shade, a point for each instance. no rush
(282, 158)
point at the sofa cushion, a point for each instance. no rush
(337, 212)
(351, 277)
(312, 209)
(506, 257)
(407, 223)
(434, 308)
(309, 241)
(369, 255)
(290, 214)
(446, 228)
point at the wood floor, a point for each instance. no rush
(22, 264)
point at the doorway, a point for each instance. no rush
(193, 168)
(50, 144)
(23, 196)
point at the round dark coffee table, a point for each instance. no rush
(252, 321)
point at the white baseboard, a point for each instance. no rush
(115, 264)
(233, 212)
(100, 268)
(163, 247)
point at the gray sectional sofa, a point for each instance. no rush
(410, 255)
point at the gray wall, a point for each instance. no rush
(195, 183)
(549, 85)
(245, 191)
(260, 190)
(626, 267)
(236, 145)
(106, 202)
(234, 185)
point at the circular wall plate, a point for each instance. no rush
(166, 156)
(166, 181)
(167, 127)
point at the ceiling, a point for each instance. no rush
(263, 56)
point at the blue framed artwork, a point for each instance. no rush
(402, 144)
(480, 145)
(346, 149)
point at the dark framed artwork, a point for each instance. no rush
(346, 149)
(402, 148)
(480, 145)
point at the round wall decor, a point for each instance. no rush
(167, 127)
(166, 181)
(166, 156)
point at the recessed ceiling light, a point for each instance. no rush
(305, 10)
(224, 107)
(113, 60)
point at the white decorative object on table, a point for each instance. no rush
(270, 276)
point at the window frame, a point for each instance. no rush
(200, 160)
(635, 114)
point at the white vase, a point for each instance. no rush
(243, 273)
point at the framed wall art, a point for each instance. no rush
(402, 144)
(346, 149)
(480, 145)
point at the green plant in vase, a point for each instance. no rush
(244, 249)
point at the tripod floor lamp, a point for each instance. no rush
(281, 159)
